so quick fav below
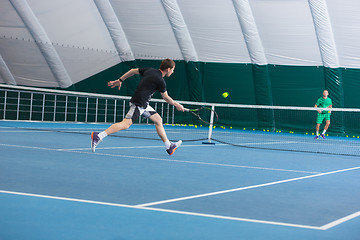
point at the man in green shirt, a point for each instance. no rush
(323, 102)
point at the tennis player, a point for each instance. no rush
(152, 80)
(323, 102)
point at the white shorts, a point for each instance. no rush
(136, 111)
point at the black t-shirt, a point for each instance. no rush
(151, 81)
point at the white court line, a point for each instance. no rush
(145, 206)
(339, 221)
(244, 188)
(158, 159)
(217, 144)
(23, 131)
(162, 210)
(267, 143)
(131, 147)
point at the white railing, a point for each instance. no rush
(38, 104)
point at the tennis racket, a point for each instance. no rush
(203, 114)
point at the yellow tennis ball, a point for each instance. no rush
(225, 95)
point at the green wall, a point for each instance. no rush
(247, 84)
(289, 85)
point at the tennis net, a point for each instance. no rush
(251, 126)
(288, 128)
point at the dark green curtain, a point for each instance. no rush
(334, 84)
(194, 81)
(263, 96)
(250, 84)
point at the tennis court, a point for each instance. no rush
(53, 186)
(263, 95)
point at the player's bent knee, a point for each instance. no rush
(126, 123)
(126, 126)
(159, 123)
(157, 119)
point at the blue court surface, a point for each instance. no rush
(53, 187)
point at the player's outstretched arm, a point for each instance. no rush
(171, 101)
(118, 82)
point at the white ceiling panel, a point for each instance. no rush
(287, 32)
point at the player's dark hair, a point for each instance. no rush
(167, 63)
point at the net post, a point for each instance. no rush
(210, 126)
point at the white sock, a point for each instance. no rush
(324, 132)
(102, 135)
(317, 133)
(167, 144)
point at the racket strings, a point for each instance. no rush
(204, 114)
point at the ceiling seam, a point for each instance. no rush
(115, 30)
(250, 32)
(324, 33)
(5, 73)
(180, 30)
(43, 42)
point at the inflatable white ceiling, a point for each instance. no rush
(56, 43)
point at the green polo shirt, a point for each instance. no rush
(324, 103)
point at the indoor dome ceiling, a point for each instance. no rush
(60, 42)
